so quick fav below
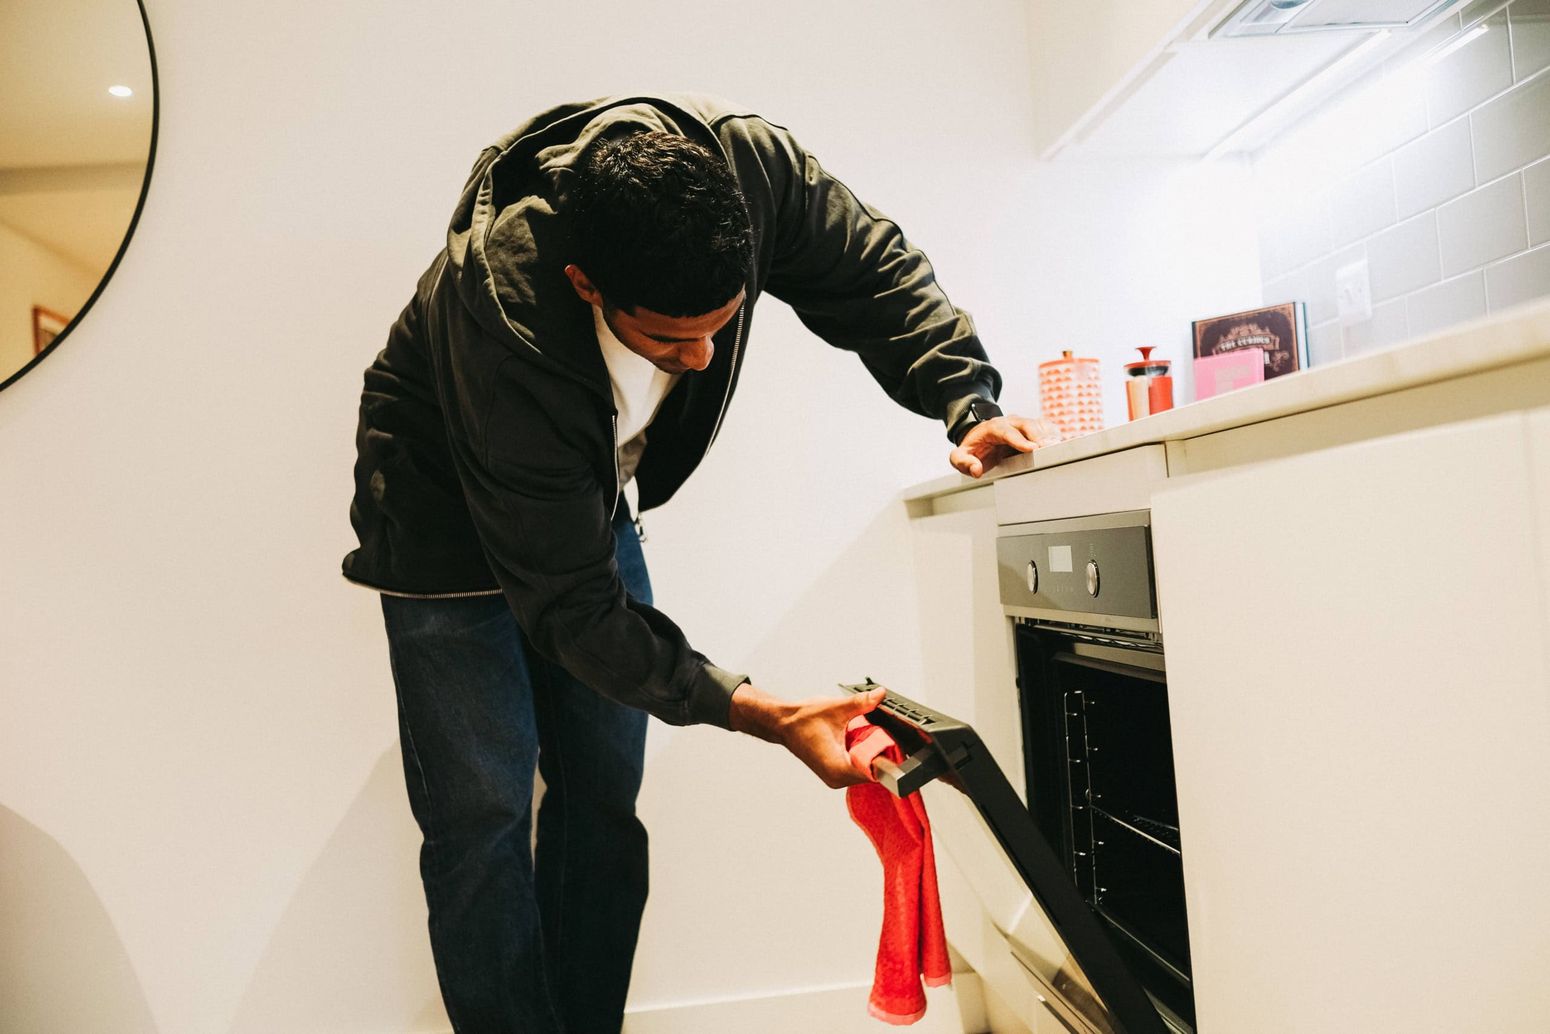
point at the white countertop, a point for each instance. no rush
(1519, 335)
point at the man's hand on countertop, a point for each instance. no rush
(991, 441)
(813, 729)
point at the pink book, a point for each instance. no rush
(1228, 371)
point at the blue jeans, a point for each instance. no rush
(523, 944)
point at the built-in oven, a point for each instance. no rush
(1097, 745)
(1097, 841)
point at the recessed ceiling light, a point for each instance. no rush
(121, 91)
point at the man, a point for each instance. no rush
(598, 280)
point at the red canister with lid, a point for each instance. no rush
(1150, 388)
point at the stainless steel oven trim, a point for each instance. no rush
(1077, 618)
(1119, 519)
(1127, 655)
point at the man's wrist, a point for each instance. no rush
(758, 714)
(976, 412)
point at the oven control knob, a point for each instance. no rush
(1092, 577)
(1033, 576)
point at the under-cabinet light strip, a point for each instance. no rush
(1288, 102)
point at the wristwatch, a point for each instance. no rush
(979, 410)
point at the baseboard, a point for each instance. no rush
(841, 1009)
(960, 1008)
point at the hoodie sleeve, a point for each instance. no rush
(855, 281)
(546, 524)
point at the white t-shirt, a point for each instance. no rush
(639, 388)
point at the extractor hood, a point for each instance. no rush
(1235, 74)
(1278, 17)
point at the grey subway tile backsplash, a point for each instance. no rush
(1324, 344)
(1470, 75)
(1307, 235)
(1388, 326)
(1443, 305)
(1530, 37)
(1512, 130)
(1404, 258)
(1291, 288)
(1363, 204)
(1430, 40)
(1437, 167)
(1453, 222)
(1519, 279)
(1536, 188)
(1483, 225)
(1321, 283)
(1404, 121)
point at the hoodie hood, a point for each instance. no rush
(507, 243)
(486, 447)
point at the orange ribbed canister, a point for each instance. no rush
(1071, 394)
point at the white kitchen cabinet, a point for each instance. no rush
(949, 577)
(1084, 52)
(1539, 462)
(1104, 484)
(1359, 684)
(966, 645)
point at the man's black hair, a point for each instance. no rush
(658, 222)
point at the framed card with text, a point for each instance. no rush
(1280, 331)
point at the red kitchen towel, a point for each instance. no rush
(912, 946)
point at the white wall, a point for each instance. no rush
(199, 754)
(1435, 171)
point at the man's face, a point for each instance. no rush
(674, 344)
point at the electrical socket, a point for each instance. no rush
(1353, 293)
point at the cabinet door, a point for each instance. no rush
(966, 641)
(1357, 671)
(1085, 52)
(1539, 463)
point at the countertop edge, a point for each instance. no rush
(1519, 335)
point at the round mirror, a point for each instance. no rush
(77, 131)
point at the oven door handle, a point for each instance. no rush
(924, 760)
(922, 763)
(904, 778)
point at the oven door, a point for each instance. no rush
(1055, 936)
(1098, 764)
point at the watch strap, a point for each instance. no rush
(978, 411)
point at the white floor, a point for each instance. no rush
(956, 1009)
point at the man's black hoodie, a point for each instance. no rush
(486, 452)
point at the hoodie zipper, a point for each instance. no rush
(618, 484)
(737, 344)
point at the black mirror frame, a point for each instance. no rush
(134, 220)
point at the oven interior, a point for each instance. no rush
(1099, 757)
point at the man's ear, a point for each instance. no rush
(583, 287)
